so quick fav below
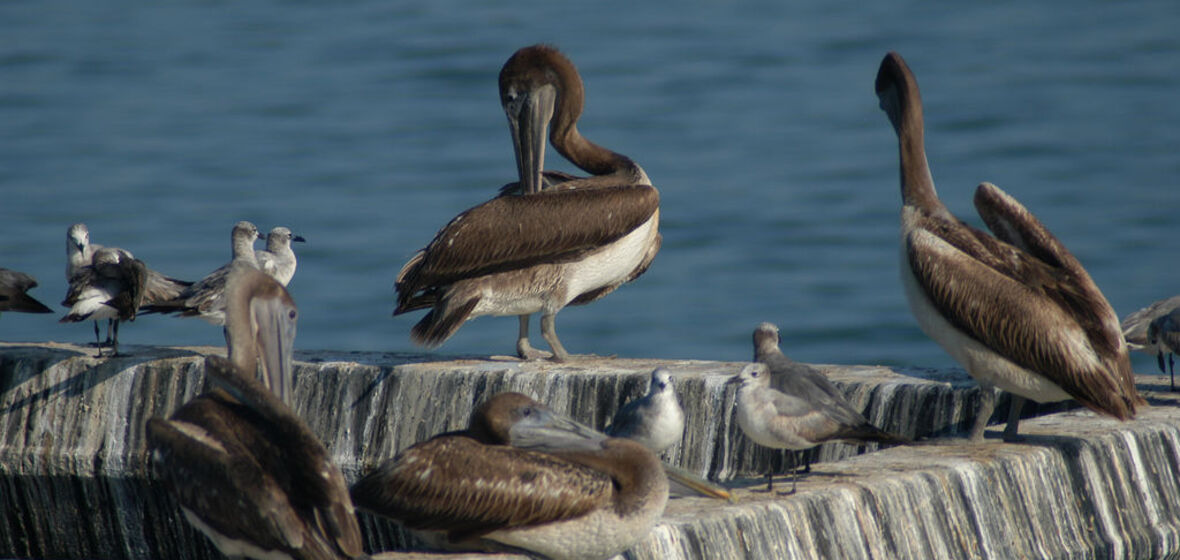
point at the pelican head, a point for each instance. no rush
(260, 323)
(513, 418)
(532, 84)
(895, 85)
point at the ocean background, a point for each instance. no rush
(365, 126)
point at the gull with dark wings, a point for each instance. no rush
(547, 247)
(248, 472)
(1016, 309)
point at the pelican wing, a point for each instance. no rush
(984, 287)
(455, 484)
(514, 232)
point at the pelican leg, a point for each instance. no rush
(987, 404)
(549, 331)
(523, 349)
(1015, 407)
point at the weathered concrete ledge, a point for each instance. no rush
(74, 481)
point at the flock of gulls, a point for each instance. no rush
(1014, 307)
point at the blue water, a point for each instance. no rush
(364, 126)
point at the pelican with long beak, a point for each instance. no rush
(560, 490)
(1017, 310)
(248, 472)
(545, 248)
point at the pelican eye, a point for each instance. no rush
(292, 314)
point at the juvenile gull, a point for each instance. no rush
(206, 298)
(248, 472)
(655, 420)
(784, 404)
(1137, 325)
(562, 491)
(278, 260)
(547, 248)
(111, 287)
(1163, 334)
(1017, 310)
(13, 296)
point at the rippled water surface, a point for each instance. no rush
(365, 126)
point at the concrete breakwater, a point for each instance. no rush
(74, 480)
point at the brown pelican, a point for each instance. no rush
(562, 491)
(278, 260)
(112, 287)
(206, 298)
(13, 296)
(1155, 330)
(80, 254)
(1017, 310)
(655, 420)
(247, 471)
(548, 247)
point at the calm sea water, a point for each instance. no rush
(366, 125)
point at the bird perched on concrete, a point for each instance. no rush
(561, 490)
(80, 254)
(655, 419)
(13, 293)
(1016, 309)
(1153, 330)
(111, 287)
(782, 404)
(206, 298)
(248, 472)
(278, 260)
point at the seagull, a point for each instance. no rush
(111, 287)
(655, 420)
(562, 490)
(13, 296)
(278, 260)
(248, 472)
(80, 254)
(1138, 328)
(1015, 308)
(206, 298)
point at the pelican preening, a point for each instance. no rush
(1017, 310)
(247, 471)
(14, 287)
(560, 490)
(548, 247)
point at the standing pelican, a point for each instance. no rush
(206, 298)
(655, 420)
(278, 260)
(1017, 310)
(247, 471)
(111, 287)
(13, 293)
(548, 247)
(562, 490)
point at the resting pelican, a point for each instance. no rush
(247, 471)
(548, 247)
(206, 298)
(1017, 310)
(13, 296)
(111, 287)
(563, 490)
